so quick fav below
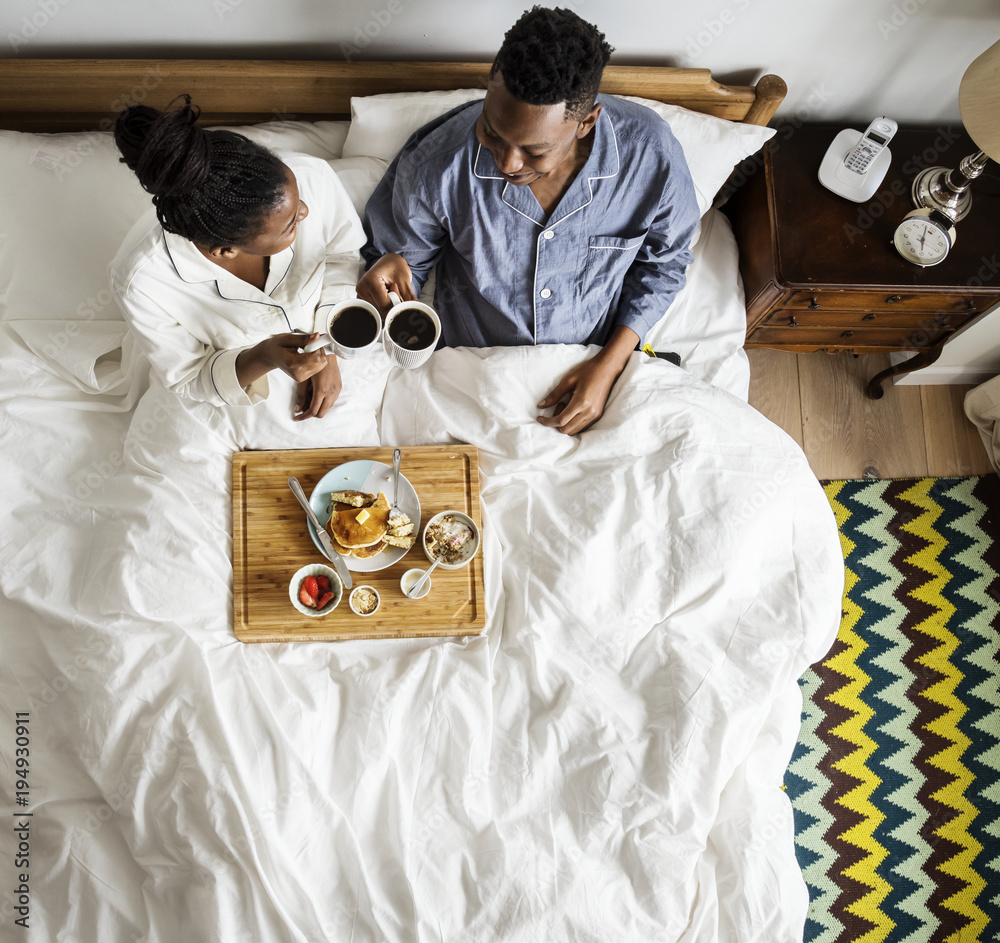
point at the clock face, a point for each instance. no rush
(921, 241)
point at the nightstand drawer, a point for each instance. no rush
(903, 322)
(886, 300)
(817, 337)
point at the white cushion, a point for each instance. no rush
(67, 203)
(381, 125)
(360, 176)
(323, 139)
(712, 146)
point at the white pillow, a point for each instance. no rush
(381, 125)
(712, 146)
(67, 203)
(323, 139)
(360, 176)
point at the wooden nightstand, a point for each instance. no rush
(821, 273)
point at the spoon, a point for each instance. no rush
(416, 588)
(395, 512)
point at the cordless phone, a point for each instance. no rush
(855, 164)
(872, 142)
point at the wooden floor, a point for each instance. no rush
(819, 399)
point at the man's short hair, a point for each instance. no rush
(551, 56)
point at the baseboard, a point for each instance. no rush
(949, 375)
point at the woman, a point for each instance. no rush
(232, 274)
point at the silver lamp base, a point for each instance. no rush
(947, 191)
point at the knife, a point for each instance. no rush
(324, 538)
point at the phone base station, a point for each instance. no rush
(846, 183)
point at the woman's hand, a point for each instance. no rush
(282, 352)
(316, 395)
(390, 273)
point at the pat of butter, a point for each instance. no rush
(363, 516)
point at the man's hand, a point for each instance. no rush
(315, 396)
(588, 385)
(281, 352)
(390, 273)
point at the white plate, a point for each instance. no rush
(371, 477)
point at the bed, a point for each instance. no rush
(603, 762)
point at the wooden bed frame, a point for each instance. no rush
(85, 94)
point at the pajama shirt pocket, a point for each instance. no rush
(609, 258)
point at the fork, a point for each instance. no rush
(397, 457)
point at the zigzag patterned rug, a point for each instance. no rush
(895, 780)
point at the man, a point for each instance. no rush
(555, 216)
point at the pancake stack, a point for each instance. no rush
(359, 525)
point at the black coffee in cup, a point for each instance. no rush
(412, 329)
(354, 327)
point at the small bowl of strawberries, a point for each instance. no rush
(316, 590)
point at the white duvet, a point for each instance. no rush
(603, 763)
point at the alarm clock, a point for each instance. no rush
(924, 237)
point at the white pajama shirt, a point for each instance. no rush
(192, 318)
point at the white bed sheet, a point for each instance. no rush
(603, 763)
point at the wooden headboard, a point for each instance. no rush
(82, 94)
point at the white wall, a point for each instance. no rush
(971, 355)
(842, 59)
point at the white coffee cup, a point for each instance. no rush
(339, 347)
(404, 356)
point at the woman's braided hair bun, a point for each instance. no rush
(169, 153)
(212, 187)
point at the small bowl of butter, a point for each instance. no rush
(364, 600)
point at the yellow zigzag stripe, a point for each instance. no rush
(841, 513)
(943, 692)
(869, 907)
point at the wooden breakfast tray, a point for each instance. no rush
(271, 541)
